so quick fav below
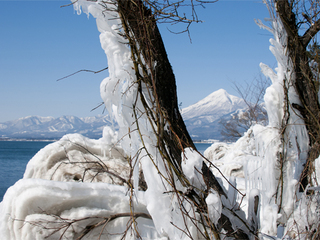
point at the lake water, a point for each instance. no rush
(14, 156)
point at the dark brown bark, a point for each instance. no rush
(304, 81)
(224, 223)
(155, 71)
(160, 78)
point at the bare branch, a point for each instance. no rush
(67, 5)
(83, 70)
(310, 33)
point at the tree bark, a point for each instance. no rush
(159, 77)
(304, 82)
(156, 72)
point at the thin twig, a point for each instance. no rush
(83, 70)
(67, 5)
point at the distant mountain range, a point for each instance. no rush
(202, 121)
(35, 127)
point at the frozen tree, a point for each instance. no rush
(301, 21)
(161, 136)
(140, 94)
(295, 24)
(148, 181)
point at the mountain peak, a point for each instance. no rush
(219, 95)
(216, 104)
(222, 91)
(202, 118)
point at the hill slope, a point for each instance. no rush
(202, 121)
(35, 127)
(202, 118)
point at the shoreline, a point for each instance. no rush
(27, 140)
(210, 141)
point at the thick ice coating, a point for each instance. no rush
(79, 185)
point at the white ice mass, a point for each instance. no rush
(79, 185)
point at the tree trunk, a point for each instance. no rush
(304, 83)
(155, 71)
(158, 75)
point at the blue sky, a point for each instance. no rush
(41, 42)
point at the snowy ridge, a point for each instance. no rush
(202, 118)
(214, 105)
(37, 127)
(198, 117)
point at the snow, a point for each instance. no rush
(77, 182)
(54, 128)
(66, 159)
(219, 102)
(35, 208)
(55, 189)
(191, 167)
(202, 118)
(257, 155)
(214, 206)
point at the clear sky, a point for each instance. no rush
(41, 42)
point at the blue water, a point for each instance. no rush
(14, 156)
(201, 147)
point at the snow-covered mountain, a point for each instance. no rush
(202, 118)
(36, 127)
(202, 121)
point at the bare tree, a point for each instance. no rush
(239, 122)
(301, 20)
(156, 105)
(154, 73)
(164, 140)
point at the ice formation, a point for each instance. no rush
(77, 183)
(43, 209)
(52, 192)
(74, 158)
(70, 184)
(270, 158)
(66, 159)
